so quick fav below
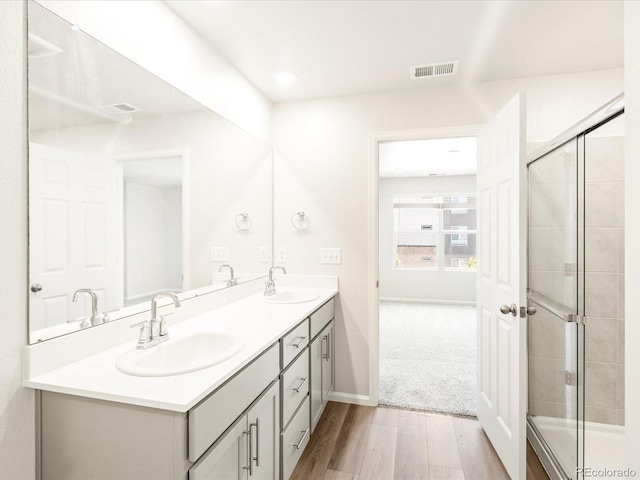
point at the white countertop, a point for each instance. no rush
(258, 323)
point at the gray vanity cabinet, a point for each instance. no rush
(249, 448)
(322, 360)
(236, 426)
(85, 438)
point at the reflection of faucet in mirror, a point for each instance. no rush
(94, 319)
(233, 280)
(153, 332)
(270, 286)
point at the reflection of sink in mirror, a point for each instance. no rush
(290, 296)
(181, 355)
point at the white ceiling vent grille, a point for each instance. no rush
(39, 48)
(434, 70)
(119, 108)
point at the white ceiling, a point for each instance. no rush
(352, 47)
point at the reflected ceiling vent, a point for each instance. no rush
(39, 48)
(119, 108)
(443, 69)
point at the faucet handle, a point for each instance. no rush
(163, 326)
(145, 332)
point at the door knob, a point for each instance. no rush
(36, 287)
(531, 311)
(513, 309)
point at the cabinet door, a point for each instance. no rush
(264, 439)
(227, 458)
(327, 362)
(315, 350)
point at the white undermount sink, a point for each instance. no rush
(290, 296)
(180, 355)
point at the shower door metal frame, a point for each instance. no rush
(577, 133)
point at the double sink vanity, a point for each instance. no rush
(234, 393)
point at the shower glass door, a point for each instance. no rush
(556, 346)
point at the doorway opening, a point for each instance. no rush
(427, 258)
(154, 211)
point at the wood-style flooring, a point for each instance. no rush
(353, 442)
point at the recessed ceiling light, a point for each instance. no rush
(284, 78)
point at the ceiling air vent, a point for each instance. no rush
(39, 48)
(119, 108)
(434, 70)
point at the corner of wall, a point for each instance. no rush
(17, 404)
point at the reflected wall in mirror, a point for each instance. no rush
(134, 187)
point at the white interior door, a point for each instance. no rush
(71, 234)
(502, 367)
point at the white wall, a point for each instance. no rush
(432, 285)
(322, 164)
(17, 405)
(632, 233)
(154, 37)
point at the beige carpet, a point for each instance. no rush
(428, 357)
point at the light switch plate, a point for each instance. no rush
(219, 254)
(264, 254)
(281, 255)
(331, 256)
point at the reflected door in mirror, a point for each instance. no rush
(73, 234)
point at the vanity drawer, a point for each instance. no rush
(321, 317)
(295, 439)
(295, 386)
(294, 342)
(210, 418)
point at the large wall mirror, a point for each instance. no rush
(134, 187)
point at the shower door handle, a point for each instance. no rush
(513, 309)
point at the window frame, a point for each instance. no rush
(438, 230)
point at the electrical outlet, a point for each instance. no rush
(331, 256)
(281, 255)
(264, 254)
(219, 254)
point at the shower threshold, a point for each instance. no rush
(604, 445)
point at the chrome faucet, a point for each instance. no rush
(94, 319)
(153, 332)
(233, 280)
(270, 285)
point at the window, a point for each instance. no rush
(428, 232)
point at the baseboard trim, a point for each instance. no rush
(421, 300)
(350, 398)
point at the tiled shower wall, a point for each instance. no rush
(552, 236)
(604, 279)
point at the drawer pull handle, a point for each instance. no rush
(302, 340)
(304, 380)
(257, 425)
(299, 444)
(250, 450)
(325, 347)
